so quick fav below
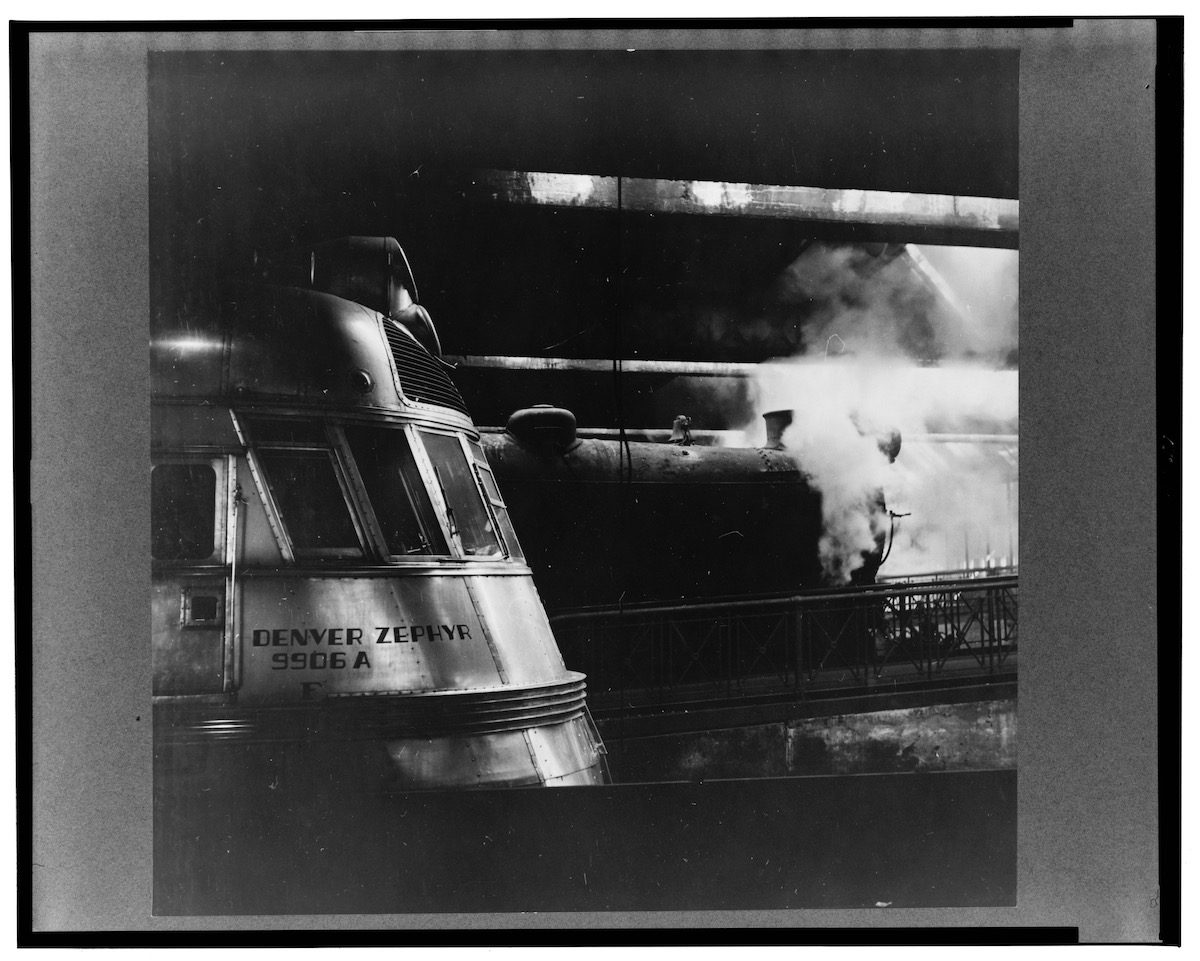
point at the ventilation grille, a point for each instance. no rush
(421, 376)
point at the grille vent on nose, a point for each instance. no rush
(422, 378)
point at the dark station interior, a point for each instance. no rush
(630, 317)
(252, 154)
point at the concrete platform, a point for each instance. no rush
(966, 736)
(897, 840)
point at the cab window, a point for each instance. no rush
(470, 520)
(183, 512)
(311, 503)
(397, 494)
(507, 536)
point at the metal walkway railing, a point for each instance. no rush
(839, 638)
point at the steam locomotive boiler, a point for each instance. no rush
(334, 569)
(662, 521)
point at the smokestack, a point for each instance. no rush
(777, 423)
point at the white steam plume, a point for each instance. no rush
(870, 322)
(927, 303)
(963, 500)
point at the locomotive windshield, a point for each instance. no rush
(393, 483)
(353, 489)
(311, 502)
(471, 521)
(498, 509)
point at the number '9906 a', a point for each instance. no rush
(317, 660)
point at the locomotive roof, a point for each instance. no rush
(270, 344)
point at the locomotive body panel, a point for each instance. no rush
(307, 637)
(506, 757)
(187, 658)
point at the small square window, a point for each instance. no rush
(202, 607)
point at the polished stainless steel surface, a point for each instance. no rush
(280, 344)
(362, 582)
(560, 754)
(358, 635)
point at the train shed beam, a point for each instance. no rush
(605, 365)
(830, 214)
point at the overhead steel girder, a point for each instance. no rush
(832, 214)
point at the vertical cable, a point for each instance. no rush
(624, 461)
(624, 458)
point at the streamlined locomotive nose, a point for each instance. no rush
(334, 563)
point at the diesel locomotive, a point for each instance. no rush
(335, 573)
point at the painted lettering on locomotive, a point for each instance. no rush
(333, 562)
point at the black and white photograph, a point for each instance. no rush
(572, 419)
(580, 477)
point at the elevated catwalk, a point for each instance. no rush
(896, 677)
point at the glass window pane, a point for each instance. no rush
(506, 532)
(310, 500)
(507, 535)
(486, 477)
(489, 485)
(470, 517)
(389, 473)
(183, 511)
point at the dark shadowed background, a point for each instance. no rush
(252, 153)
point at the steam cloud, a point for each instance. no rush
(873, 325)
(963, 499)
(928, 304)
